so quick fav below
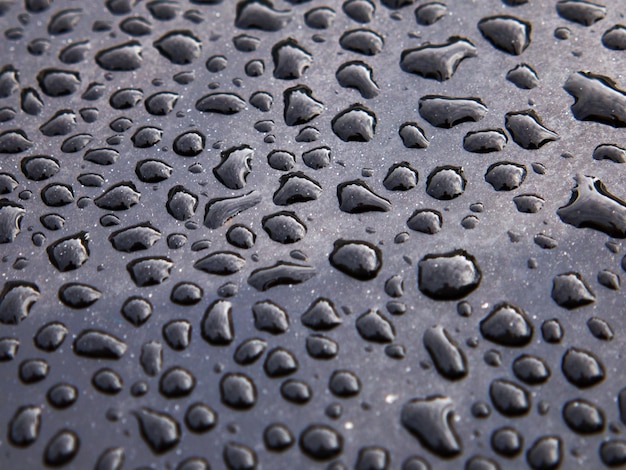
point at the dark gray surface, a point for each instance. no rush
(373, 416)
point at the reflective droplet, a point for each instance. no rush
(281, 273)
(119, 197)
(239, 456)
(581, 368)
(448, 358)
(296, 188)
(446, 183)
(290, 59)
(219, 211)
(485, 141)
(321, 442)
(581, 12)
(238, 391)
(597, 99)
(25, 425)
(373, 326)
(527, 129)
(358, 259)
(430, 420)
(413, 136)
(300, 105)
(507, 33)
(545, 453)
(161, 104)
(447, 112)
(98, 345)
(61, 448)
(523, 76)
(221, 103)
(569, 290)
(437, 61)
(159, 430)
(363, 41)
(76, 295)
(249, 351)
(448, 276)
(615, 38)
(124, 57)
(320, 18)
(359, 75)
(179, 47)
(280, 362)
(56, 82)
(254, 14)
(356, 197)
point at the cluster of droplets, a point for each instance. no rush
(447, 275)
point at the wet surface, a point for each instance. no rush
(328, 234)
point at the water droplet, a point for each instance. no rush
(363, 41)
(359, 75)
(64, 21)
(246, 43)
(358, 259)
(581, 368)
(583, 416)
(569, 290)
(507, 33)
(238, 391)
(485, 141)
(217, 324)
(527, 129)
(239, 456)
(219, 211)
(356, 197)
(119, 197)
(126, 98)
(355, 124)
(505, 176)
(430, 420)
(111, 459)
(447, 112)
(509, 398)
(448, 358)
(76, 295)
(161, 104)
(153, 171)
(159, 430)
(180, 47)
(523, 76)
(177, 334)
(545, 453)
(290, 59)
(597, 99)
(257, 14)
(614, 38)
(61, 448)
(321, 442)
(14, 141)
(295, 188)
(124, 57)
(98, 345)
(373, 326)
(507, 442)
(56, 82)
(581, 12)
(281, 273)
(221, 103)
(107, 381)
(437, 61)
(448, 276)
(62, 395)
(600, 329)
(613, 453)
(320, 18)
(531, 370)
(25, 425)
